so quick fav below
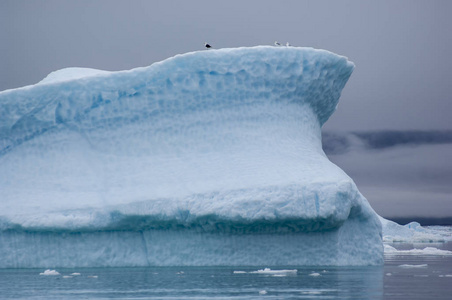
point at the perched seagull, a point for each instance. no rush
(277, 44)
(288, 45)
(207, 45)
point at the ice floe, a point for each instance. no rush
(389, 250)
(406, 266)
(49, 272)
(268, 271)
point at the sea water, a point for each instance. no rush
(401, 277)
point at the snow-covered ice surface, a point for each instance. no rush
(206, 158)
(69, 74)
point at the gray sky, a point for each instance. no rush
(401, 50)
(403, 180)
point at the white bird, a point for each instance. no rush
(207, 45)
(288, 44)
(277, 44)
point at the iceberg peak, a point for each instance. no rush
(73, 73)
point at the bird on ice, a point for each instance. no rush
(277, 44)
(207, 45)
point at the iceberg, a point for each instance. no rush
(206, 158)
(413, 232)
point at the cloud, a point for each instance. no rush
(336, 143)
(400, 173)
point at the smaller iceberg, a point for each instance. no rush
(413, 233)
(389, 250)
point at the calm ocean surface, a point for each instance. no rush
(422, 277)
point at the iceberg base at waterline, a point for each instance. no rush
(141, 240)
(206, 158)
(182, 248)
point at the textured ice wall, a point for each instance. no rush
(206, 158)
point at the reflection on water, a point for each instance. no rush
(418, 276)
(194, 283)
(402, 277)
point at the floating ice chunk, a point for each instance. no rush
(76, 274)
(269, 271)
(413, 266)
(389, 250)
(93, 276)
(239, 272)
(67, 276)
(314, 274)
(263, 292)
(49, 272)
(312, 292)
(388, 274)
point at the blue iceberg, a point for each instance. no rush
(206, 158)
